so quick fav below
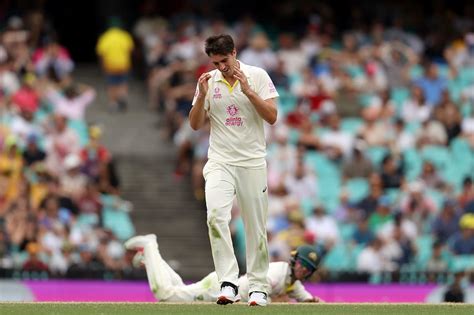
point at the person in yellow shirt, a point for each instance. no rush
(114, 49)
(11, 167)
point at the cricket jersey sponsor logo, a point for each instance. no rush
(233, 110)
(217, 93)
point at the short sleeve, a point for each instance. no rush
(265, 88)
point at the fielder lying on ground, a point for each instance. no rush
(167, 285)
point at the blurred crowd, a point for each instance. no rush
(372, 155)
(60, 206)
(373, 151)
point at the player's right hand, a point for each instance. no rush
(203, 84)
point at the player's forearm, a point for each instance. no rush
(265, 108)
(197, 115)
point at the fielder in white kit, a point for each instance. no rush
(237, 99)
(283, 278)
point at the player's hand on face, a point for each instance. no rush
(203, 83)
(244, 83)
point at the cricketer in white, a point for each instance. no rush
(168, 286)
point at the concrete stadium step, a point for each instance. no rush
(145, 164)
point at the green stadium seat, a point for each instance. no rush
(351, 125)
(463, 156)
(399, 96)
(358, 188)
(80, 127)
(416, 72)
(347, 230)
(413, 162)
(286, 102)
(424, 244)
(338, 258)
(393, 194)
(115, 218)
(462, 263)
(376, 154)
(438, 155)
(293, 136)
(307, 205)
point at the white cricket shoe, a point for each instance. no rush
(257, 299)
(228, 295)
(138, 242)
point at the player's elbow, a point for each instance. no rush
(272, 119)
(194, 125)
(194, 121)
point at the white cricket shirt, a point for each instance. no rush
(279, 279)
(237, 135)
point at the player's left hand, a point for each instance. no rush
(244, 83)
(315, 299)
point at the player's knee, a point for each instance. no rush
(215, 223)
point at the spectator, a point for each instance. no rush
(358, 165)
(369, 203)
(416, 109)
(114, 48)
(371, 259)
(259, 53)
(363, 235)
(11, 166)
(73, 182)
(446, 223)
(400, 139)
(54, 61)
(94, 156)
(429, 176)
(462, 243)
(33, 152)
(60, 142)
(302, 183)
(437, 262)
(447, 113)
(392, 174)
(467, 193)
(336, 142)
(381, 216)
(432, 83)
(323, 225)
(33, 263)
(73, 103)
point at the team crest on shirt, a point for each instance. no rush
(217, 93)
(233, 110)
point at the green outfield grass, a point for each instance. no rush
(240, 308)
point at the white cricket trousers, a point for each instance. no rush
(223, 183)
(167, 285)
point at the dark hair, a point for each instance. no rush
(219, 45)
